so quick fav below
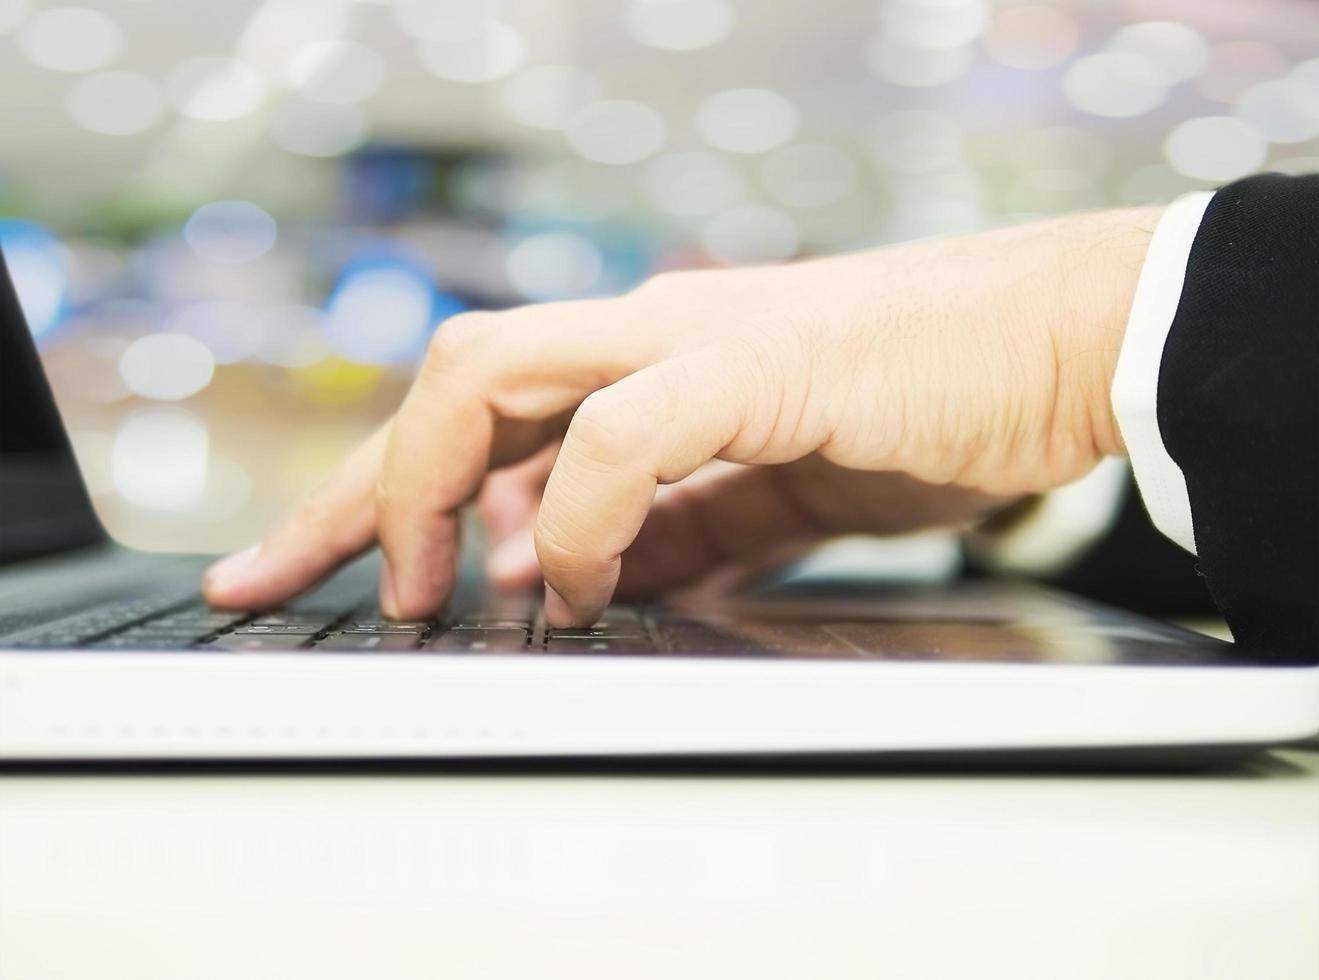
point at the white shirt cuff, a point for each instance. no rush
(1136, 382)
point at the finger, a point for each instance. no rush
(487, 396)
(655, 426)
(335, 523)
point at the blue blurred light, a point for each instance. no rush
(628, 255)
(384, 308)
(36, 265)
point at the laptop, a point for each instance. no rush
(109, 655)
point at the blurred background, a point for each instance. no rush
(233, 225)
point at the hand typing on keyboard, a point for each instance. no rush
(879, 391)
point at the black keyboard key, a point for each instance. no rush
(482, 623)
(635, 645)
(367, 642)
(268, 629)
(596, 633)
(137, 641)
(620, 618)
(151, 632)
(478, 641)
(296, 620)
(267, 642)
(94, 623)
(386, 627)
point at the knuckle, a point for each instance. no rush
(458, 338)
(607, 427)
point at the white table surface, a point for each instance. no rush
(804, 875)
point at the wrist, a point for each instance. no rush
(1099, 268)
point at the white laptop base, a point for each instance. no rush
(976, 671)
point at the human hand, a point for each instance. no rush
(882, 390)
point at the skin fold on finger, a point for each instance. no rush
(334, 524)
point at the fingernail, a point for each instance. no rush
(557, 613)
(388, 598)
(233, 570)
(513, 558)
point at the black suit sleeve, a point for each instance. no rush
(1238, 409)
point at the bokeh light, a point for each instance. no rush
(451, 20)
(166, 366)
(72, 39)
(679, 25)
(546, 96)
(747, 120)
(1118, 84)
(554, 265)
(1285, 110)
(340, 72)
(1217, 148)
(38, 270)
(13, 13)
(917, 67)
(116, 103)
(382, 310)
(616, 131)
(1179, 51)
(216, 89)
(158, 460)
(315, 129)
(933, 24)
(334, 381)
(494, 52)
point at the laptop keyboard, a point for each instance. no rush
(504, 625)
